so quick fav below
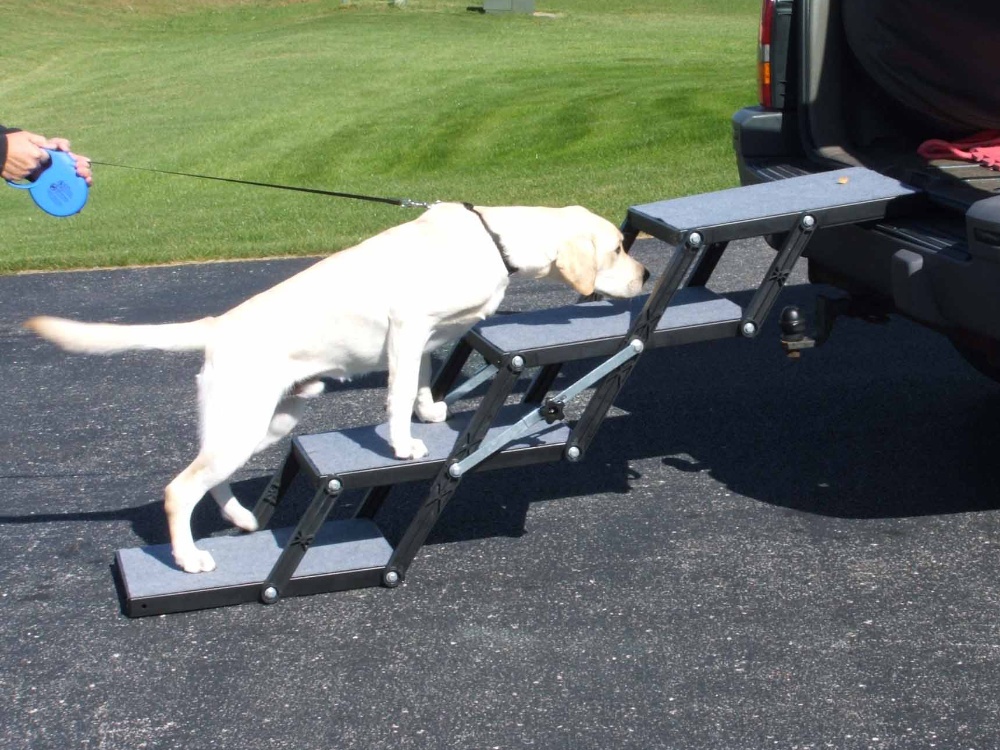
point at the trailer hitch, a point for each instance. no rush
(794, 326)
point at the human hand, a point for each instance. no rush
(26, 154)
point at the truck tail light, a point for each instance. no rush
(764, 72)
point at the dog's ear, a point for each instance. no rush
(577, 264)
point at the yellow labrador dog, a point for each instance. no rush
(386, 303)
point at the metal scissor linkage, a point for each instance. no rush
(549, 411)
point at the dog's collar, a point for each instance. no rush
(511, 268)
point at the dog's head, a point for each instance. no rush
(569, 244)
(592, 259)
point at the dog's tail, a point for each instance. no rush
(107, 338)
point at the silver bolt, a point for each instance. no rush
(334, 486)
(637, 346)
(808, 221)
(749, 329)
(269, 595)
(517, 363)
(573, 453)
(455, 470)
(694, 239)
(391, 578)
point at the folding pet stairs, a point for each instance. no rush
(321, 556)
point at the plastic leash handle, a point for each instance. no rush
(57, 190)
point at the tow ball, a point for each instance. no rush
(795, 336)
(793, 332)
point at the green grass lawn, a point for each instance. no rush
(608, 104)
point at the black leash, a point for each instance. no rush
(404, 202)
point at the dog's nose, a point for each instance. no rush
(645, 275)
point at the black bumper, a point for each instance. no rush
(921, 265)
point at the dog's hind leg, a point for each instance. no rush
(179, 500)
(212, 467)
(283, 421)
(288, 413)
(234, 421)
(232, 510)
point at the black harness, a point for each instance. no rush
(511, 269)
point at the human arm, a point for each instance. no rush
(24, 152)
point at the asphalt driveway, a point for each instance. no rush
(756, 553)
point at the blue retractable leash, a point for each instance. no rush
(57, 190)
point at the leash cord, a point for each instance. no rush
(404, 202)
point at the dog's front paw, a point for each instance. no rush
(433, 412)
(194, 561)
(411, 449)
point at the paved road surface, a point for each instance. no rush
(756, 554)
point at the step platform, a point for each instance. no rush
(843, 196)
(361, 457)
(595, 329)
(346, 554)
